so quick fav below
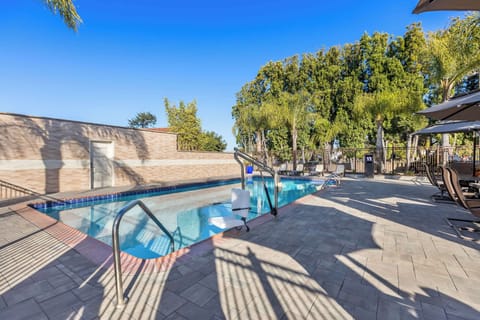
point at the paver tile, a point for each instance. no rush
(198, 294)
(65, 302)
(170, 302)
(27, 309)
(26, 291)
(368, 249)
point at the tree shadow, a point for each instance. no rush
(324, 262)
(323, 258)
(58, 141)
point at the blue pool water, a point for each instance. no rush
(185, 212)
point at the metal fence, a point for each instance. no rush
(396, 161)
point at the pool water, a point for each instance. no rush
(185, 214)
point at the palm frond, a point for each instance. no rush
(67, 10)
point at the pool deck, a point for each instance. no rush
(367, 249)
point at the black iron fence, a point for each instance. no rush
(394, 160)
(400, 160)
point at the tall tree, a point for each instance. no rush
(454, 52)
(143, 120)
(382, 106)
(67, 11)
(294, 110)
(183, 120)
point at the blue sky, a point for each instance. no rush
(129, 55)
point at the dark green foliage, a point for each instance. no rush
(358, 94)
(211, 141)
(143, 120)
(184, 122)
(312, 100)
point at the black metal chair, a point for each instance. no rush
(439, 184)
(472, 205)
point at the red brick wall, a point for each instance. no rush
(51, 155)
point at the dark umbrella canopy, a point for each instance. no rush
(450, 127)
(466, 108)
(441, 5)
(456, 126)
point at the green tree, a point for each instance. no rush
(294, 111)
(381, 106)
(67, 11)
(183, 120)
(143, 120)
(454, 53)
(341, 94)
(211, 141)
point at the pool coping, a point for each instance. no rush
(101, 254)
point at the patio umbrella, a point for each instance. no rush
(465, 107)
(450, 127)
(456, 126)
(439, 5)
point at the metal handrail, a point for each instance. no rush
(116, 244)
(263, 166)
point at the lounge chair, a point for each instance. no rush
(240, 209)
(299, 170)
(315, 170)
(472, 205)
(337, 174)
(282, 170)
(439, 184)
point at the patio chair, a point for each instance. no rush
(240, 208)
(299, 170)
(439, 184)
(456, 181)
(317, 170)
(472, 205)
(337, 174)
(282, 170)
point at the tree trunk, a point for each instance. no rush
(447, 88)
(409, 148)
(294, 148)
(380, 151)
(259, 142)
(264, 147)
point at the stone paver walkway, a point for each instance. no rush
(369, 249)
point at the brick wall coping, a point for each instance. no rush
(83, 122)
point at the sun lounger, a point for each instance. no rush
(316, 170)
(299, 170)
(337, 174)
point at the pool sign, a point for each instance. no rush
(369, 167)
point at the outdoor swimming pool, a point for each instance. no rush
(184, 211)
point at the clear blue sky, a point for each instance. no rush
(130, 54)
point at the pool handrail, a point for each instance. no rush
(263, 166)
(121, 300)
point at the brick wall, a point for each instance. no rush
(52, 155)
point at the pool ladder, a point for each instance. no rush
(121, 300)
(263, 167)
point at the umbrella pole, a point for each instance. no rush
(474, 152)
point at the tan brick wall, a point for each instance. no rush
(51, 155)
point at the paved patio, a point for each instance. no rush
(369, 249)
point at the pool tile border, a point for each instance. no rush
(41, 205)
